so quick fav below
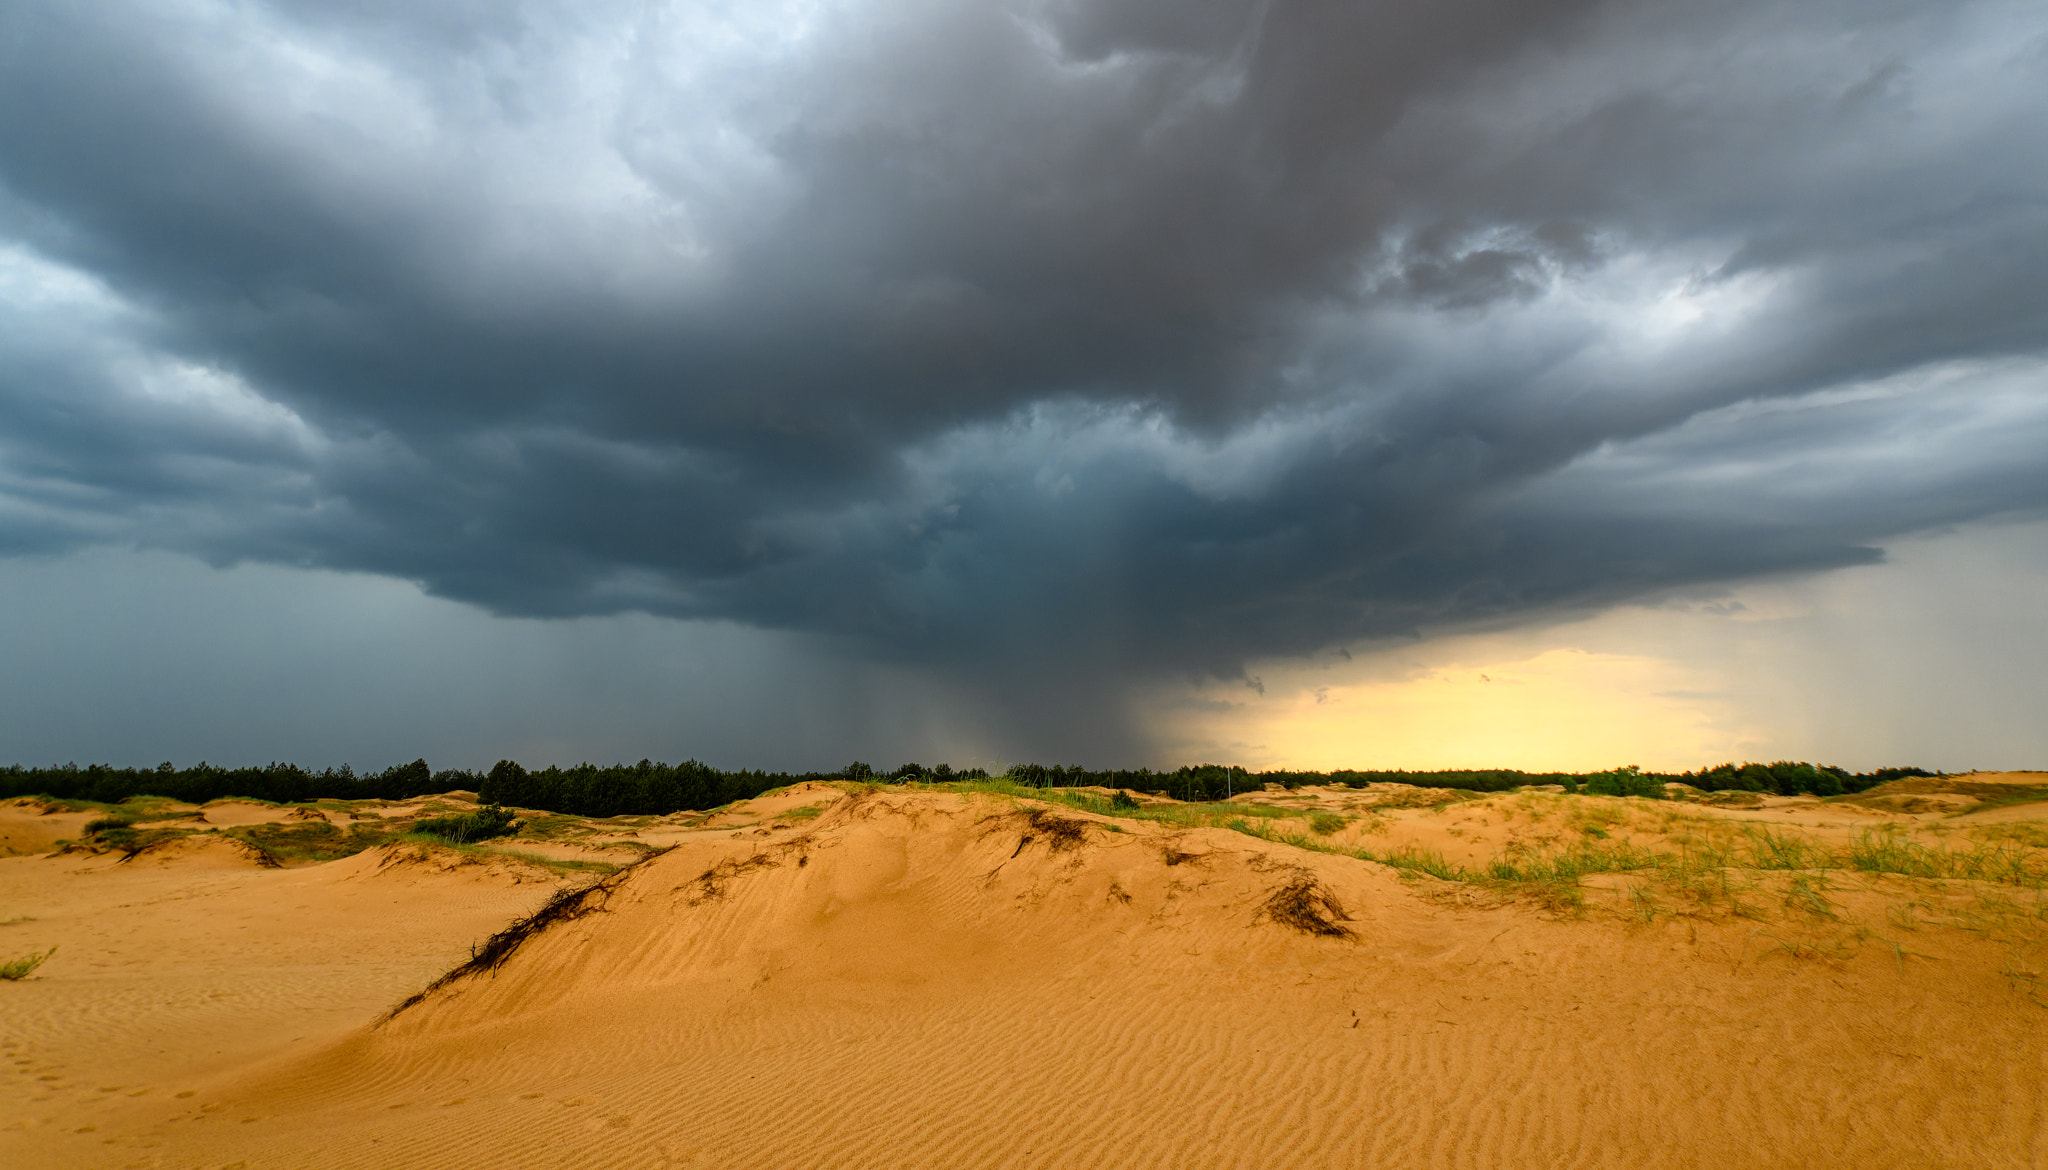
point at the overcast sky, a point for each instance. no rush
(781, 382)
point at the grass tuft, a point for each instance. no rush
(14, 969)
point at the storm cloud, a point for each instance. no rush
(1066, 341)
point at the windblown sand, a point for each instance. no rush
(960, 980)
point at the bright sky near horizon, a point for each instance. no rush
(1406, 384)
(1934, 656)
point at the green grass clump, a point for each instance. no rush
(1324, 824)
(1575, 862)
(310, 841)
(116, 834)
(1889, 851)
(1782, 850)
(14, 969)
(489, 821)
(1415, 859)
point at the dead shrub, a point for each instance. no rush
(1309, 907)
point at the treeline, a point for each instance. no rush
(1790, 778)
(279, 783)
(649, 788)
(1204, 782)
(646, 789)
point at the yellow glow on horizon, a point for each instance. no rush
(1474, 702)
(1931, 657)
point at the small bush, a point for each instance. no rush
(1324, 824)
(492, 820)
(1122, 801)
(20, 968)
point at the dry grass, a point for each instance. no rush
(1059, 833)
(1306, 905)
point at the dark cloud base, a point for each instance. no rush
(1050, 347)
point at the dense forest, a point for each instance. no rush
(653, 789)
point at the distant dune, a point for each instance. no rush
(852, 977)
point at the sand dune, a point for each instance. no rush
(925, 979)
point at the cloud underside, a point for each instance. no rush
(1079, 339)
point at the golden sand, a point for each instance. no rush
(915, 978)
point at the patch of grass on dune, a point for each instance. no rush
(1738, 871)
(1704, 867)
(120, 835)
(558, 864)
(308, 842)
(23, 967)
(1781, 849)
(2033, 835)
(425, 845)
(134, 810)
(481, 825)
(1575, 862)
(1211, 815)
(1416, 859)
(555, 827)
(1992, 797)
(2008, 863)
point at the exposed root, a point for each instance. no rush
(1307, 906)
(712, 884)
(564, 906)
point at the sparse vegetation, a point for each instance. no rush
(308, 841)
(23, 967)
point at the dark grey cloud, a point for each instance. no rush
(1050, 344)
